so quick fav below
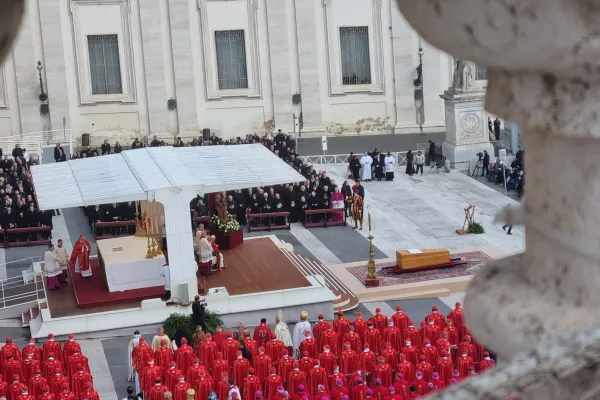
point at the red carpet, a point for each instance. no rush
(93, 291)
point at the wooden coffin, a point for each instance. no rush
(409, 259)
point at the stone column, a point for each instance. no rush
(542, 68)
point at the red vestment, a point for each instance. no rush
(407, 369)
(463, 364)
(411, 353)
(13, 367)
(431, 354)
(349, 362)
(426, 369)
(14, 390)
(4, 387)
(355, 341)
(184, 356)
(206, 353)
(401, 387)
(360, 326)
(327, 361)
(338, 392)
(222, 389)
(368, 359)
(80, 256)
(333, 380)
(341, 325)
(72, 364)
(220, 366)
(274, 349)
(262, 366)
(251, 386)
(216, 253)
(484, 364)
(262, 334)
(32, 348)
(90, 394)
(66, 394)
(163, 358)
(301, 396)
(69, 348)
(383, 371)
(438, 384)
(444, 369)
(180, 390)
(218, 338)
(285, 365)
(379, 392)
(373, 338)
(320, 327)
(420, 386)
(470, 349)
(353, 380)
(45, 396)
(442, 345)
(148, 377)
(306, 364)
(203, 386)
(240, 371)
(157, 392)
(454, 336)
(141, 355)
(29, 366)
(413, 334)
(25, 396)
(437, 318)
(391, 357)
(458, 319)
(80, 378)
(271, 384)
(318, 376)
(359, 392)
(295, 378)
(380, 322)
(309, 345)
(193, 372)
(251, 345)
(49, 368)
(56, 383)
(172, 377)
(401, 320)
(322, 396)
(332, 339)
(229, 348)
(393, 335)
(431, 332)
(9, 348)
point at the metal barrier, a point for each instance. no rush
(333, 159)
(28, 288)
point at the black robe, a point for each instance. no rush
(279, 206)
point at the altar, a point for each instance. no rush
(125, 266)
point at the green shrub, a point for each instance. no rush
(212, 319)
(475, 228)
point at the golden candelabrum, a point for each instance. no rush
(139, 231)
(149, 252)
(155, 232)
(371, 269)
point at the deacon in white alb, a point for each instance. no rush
(301, 326)
(366, 162)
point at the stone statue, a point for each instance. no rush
(463, 77)
(221, 207)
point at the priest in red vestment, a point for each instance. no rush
(401, 319)
(401, 386)
(430, 352)
(12, 365)
(229, 347)
(44, 394)
(327, 359)
(486, 362)
(444, 368)
(50, 366)
(438, 318)
(74, 359)
(393, 335)
(425, 368)
(29, 366)
(458, 319)
(349, 360)
(15, 389)
(69, 347)
(360, 325)
(262, 364)
(65, 393)
(9, 347)
(219, 337)
(262, 333)
(332, 339)
(306, 363)
(163, 357)
(391, 356)
(382, 371)
(157, 392)
(285, 366)
(172, 376)
(52, 346)
(359, 391)
(141, 355)
(410, 352)
(241, 366)
(58, 381)
(318, 376)
(320, 327)
(222, 387)
(89, 393)
(341, 324)
(413, 334)
(339, 391)
(203, 386)
(194, 371)
(374, 337)
(207, 352)
(463, 364)
(437, 382)
(335, 375)
(443, 343)
(220, 366)
(353, 338)
(252, 384)
(309, 345)
(406, 368)
(419, 384)
(368, 359)
(80, 257)
(148, 375)
(36, 383)
(274, 349)
(184, 355)
(468, 347)
(379, 320)
(180, 389)
(250, 344)
(272, 382)
(380, 392)
(80, 378)
(295, 379)
(30, 347)
(431, 331)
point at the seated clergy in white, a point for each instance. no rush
(204, 250)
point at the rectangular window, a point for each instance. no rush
(105, 64)
(481, 74)
(231, 59)
(356, 61)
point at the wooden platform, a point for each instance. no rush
(257, 265)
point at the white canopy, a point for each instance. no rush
(130, 175)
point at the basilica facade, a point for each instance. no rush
(123, 68)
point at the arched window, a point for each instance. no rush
(481, 74)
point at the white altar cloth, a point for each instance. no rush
(126, 266)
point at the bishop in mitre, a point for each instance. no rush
(302, 326)
(132, 373)
(283, 332)
(158, 337)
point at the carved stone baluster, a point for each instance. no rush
(543, 70)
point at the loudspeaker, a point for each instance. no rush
(205, 134)
(85, 139)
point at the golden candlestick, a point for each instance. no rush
(372, 278)
(139, 231)
(149, 252)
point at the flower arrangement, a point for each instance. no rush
(228, 227)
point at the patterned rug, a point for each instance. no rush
(474, 260)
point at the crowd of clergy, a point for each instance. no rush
(383, 358)
(54, 371)
(18, 207)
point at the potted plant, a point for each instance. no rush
(175, 321)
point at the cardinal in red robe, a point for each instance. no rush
(410, 352)
(207, 351)
(425, 368)
(222, 388)
(419, 384)
(368, 359)
(58, 381)
(390, 355)
(379, 320)
(15, 389)
(393, 335)
(65, 393)
(309, 345)
(89, 393)
(203, 386)
(184, 355)
(80, 257)
(181, 388)
(194, 371)
(349, 360)
(339, 390)
(29, 366)
(148, 375)
(318, 376)
(163, 357)
(332, 339)
(50, 366)
(468, 347)
(430, 352)
(431, 331)
(12, 365)
(360, 325)
(172, 376)
(220, 366)
(401, 386)
(69, 347)
(141, 355)
(52, 346)
(250, 344)
(438, 318)
(438, 384)
(334, 376)
(374, 338)
(486, 362)
(413, 334)
(458, 319)
(320, 327)
(306, 363)
(262, 333)
(285, 365)
(341, 324)
(80, 378)
(383, 371)
(272, 382)
(262, 364)
(327, 359)
(454, 335)
(44, 394)
(406, 368)
(464, 363)
(229, 347)
(240, 370)
(36, 383)
(401, 319)
(32, 348)
(443, 343)
(295, 379)
(444, 368)
(74, 359)
(353, 338)
(157, 392)
(9, 346)
(252, 384)
(274, 349)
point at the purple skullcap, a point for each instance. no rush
(419, 374)
(455, 372)
(321, 387)
(378, 380)
(453, 381)
(284, 394)
(436, 375)
(359, 380)
(430, 385)
(304, 398)
(258, 394)
(345, 397)
(280, 388)
(369, 392)
(301, 387)
(391, 389)
(399, 375)
(339, 382)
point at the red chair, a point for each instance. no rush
(204, 269)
